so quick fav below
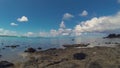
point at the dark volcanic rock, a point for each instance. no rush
(79, 56)
(6, 64)
(39, 48)
(13, 46)
(94, 65)
(73, 39)
(7, 46)
(30, 50)
(76, 45)
(52, 51)
(108, 43)
(3, 48)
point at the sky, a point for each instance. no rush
(58, 17)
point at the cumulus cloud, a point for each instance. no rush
(7, 32)
(67, 16)
(44, 34)
(62, 25)
(103, 24)
(13, 24)
(118, 1)
(53, 32)
(84, 13)
(22, 19)
(28, 34)
(67, 32)
(62, 31)
(107, 24)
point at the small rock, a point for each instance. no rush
(3, 48)
(30, 50)
(0, 56)
(79, 56)
(108, 43)
(73, 39)
(13, 46)
(7, 46)
(5, 64)
(39, 48)
(76, 45)
(95, 65)
(52, 49)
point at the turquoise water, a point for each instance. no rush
(12, 55)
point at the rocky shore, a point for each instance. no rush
(96, 57)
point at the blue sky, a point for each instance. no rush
(37, 16)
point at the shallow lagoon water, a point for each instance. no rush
(17, 54)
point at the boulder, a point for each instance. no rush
(3, 48)
(51, 49)
(79, 56)
(30, 50)
(39, 48)
(73, 39)
(5, 64)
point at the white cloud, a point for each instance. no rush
(62, 25)
(118, 1)
(28, 34)
(67, 32)
(67, 16)
(22, 19)
(13, 24)
(109, 24)
(44, 34)
(53, 32)
(7, 32)
(62, 31)
(84, 13)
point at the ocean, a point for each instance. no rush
(17, 54)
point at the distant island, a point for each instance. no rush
(113, 36)
(7, 36)
(11, 36)
(20, 36)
